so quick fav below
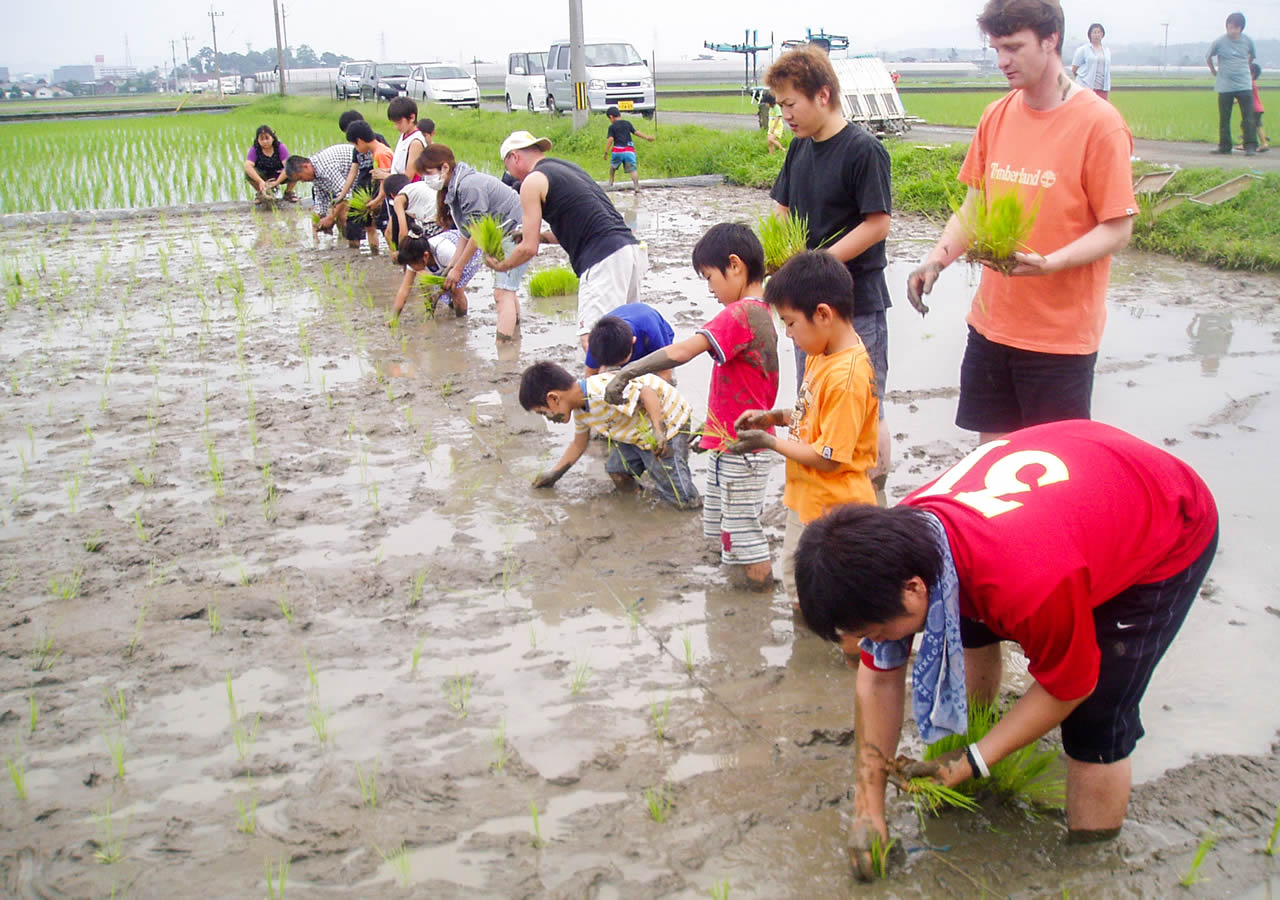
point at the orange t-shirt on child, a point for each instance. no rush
(382, 155)
(1073, 162)
(837, 414)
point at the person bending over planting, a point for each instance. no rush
(331, 172)
(434, 251)
(1078, 541)
(743, 343)
(648, 431)
(633, 330)
(465, 195)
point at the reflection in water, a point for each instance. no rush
(1210, 335)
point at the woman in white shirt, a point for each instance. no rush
(1091, 65)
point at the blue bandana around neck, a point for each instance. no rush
(938, 697)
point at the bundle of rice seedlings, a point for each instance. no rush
(556, 282)
(930, 796)
(782, 239)
(487, 232)
(996, 227)
(432, 288)
(1025, 774)
(359, 205)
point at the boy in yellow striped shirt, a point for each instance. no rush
(647, 432)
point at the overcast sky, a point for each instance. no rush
(33, 39)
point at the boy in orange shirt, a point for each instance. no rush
(367, 144)
(834, 425)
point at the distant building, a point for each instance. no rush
(114, 73)
(4, 73)
(63, 74)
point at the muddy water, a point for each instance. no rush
(392, 582)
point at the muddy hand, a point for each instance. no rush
(613, 392)
(749, 441)
(753, 418)
(949, 769)
(920, 282)
(862, 837)
(546, 479)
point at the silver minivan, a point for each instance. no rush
(347, 84)
(526, 84)
(616, 75)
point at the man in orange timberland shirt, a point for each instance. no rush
(1034, 334)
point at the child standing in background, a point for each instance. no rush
(621, 150)
(776, 124)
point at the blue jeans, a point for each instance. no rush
(670, 473)
(1248, 124)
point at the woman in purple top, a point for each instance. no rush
(264, 166)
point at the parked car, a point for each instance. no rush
(347, 84)
(383, 81)
(439, 82)
(526, 83)
(616, 75)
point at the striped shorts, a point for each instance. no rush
(732, 504)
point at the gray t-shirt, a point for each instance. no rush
(1233, 63)
(472, 194)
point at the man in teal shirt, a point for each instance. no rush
(1234, 52)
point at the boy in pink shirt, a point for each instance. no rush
(742, 340)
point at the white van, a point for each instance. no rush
(616, 75)
(526, 83)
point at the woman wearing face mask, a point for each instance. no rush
(464, 195)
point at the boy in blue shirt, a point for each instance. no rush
(629, 332)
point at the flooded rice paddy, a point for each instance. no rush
(276, 590)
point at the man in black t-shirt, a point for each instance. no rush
(608, 260)
(621, 151)
(837, 176)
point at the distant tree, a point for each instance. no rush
(307, 58)
(332, 60)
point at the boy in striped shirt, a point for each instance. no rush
(647, 432)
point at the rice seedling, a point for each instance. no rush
(44, 654)
(632, 613)
(287, 609)
(417, 582)
(247, 811)
(65, 587)
(275, 885)
(319, 720)
(137, 627)
(398, 860)
(245, 737)
(35, 713)
(215, 618)
(556, 282)
(368, 786)
(458, 692)
(1206, 844)
(372, 493)
(1025, 774)
(144, 478)
(533, 637)
(930, 796)
(17, 771)
(658, 715)
(270, 497)
(117, 705)
(880, 855)
(580, 676)
(115, 746)
(110, 845)
(359, 204)
(312, 678)
(138, 530)
(687, 640)
(720, 890)
(253, 417)
(488, 234)
(417, 653)
(446, 388)
(538, 842)
(73, 492)
(658, 802)
(782, 238)
(500, 753)
(1270, 849)
(996, 227)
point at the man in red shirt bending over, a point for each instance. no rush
(1078, 541)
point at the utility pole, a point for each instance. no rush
(279, 47)
(1164, 64)
(284, 23)
(217, 66)
(173, 50)
(578, 65)
(186, 48)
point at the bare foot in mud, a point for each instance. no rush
(1082, 836)
(624, 483)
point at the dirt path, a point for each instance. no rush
(252, 538)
